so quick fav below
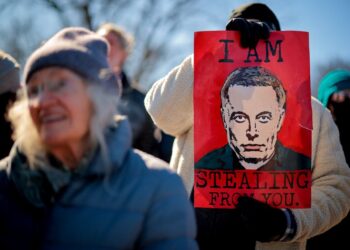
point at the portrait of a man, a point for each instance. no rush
(253, 108)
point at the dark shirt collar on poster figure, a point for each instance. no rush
(224, 158)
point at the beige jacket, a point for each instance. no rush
(170, 105)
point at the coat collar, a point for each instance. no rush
(39, 185)
(118, 143)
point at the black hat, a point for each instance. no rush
(257, 11)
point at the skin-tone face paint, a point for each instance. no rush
(252, 119)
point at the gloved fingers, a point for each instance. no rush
(251, 31)
(259, 30)
(237, 24)
(264, 30)
(265, 222)
(247, 203)
(241, 25)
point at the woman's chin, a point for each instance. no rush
(51, 140)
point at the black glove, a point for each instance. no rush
(222, 229)
(262, 221)
(251, 30)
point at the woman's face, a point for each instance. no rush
(59, 105)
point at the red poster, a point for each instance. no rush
(252, 120)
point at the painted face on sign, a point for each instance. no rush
(252, 118)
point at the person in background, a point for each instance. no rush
(9, 83)
(72, 179)
(334, 93)
(253, 225)
(146, 136)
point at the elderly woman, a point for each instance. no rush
(72, 181)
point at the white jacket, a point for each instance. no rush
(170, 104)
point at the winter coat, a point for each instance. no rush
(335, 81)
(170, 104)
(143, 130)
(137, 204)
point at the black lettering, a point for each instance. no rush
(257, 59)
(244, 181)
(278, 46)
(226, 51)
(258, 182)
(277, 199)
(289, 199)
(288, 177)
(266, 196)
(302, 182)
(275, 186)
(235, 197)
(213, 198)
(224, 197)
(214, 175)
(229, 183)
(201, 180)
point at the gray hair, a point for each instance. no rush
(253, 77)
(25, 134)
(125, 39)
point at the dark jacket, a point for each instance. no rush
(137, 205)
(335, 81)
(283, 159)
(5, 127)
(146, 136)
(142, 127)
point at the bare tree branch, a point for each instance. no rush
(86, 14)
(153, 22)
(59, 10)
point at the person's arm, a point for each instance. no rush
(170, 100)
(330, 180)
(170, 222)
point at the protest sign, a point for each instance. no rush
(252, 120)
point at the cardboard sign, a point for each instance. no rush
(252, 120)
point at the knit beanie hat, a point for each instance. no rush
(77, 49)
(257, 11)
(333, 81)
(9, 73)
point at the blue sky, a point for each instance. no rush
(326, 21)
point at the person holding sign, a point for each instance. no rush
(253, 224)
(253, 105)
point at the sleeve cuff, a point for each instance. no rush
(291, 226)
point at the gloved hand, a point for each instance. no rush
(262, 221)
(221, 228)
(251, 30)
